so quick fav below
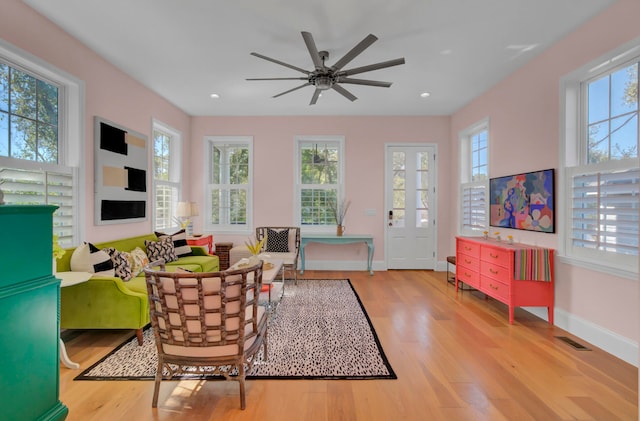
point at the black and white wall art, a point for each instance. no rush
(120, 174)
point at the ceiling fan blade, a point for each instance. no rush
(371, 67)
(364, 82)
(315, 96)
(282, 63)
(313, 50)
(291, 90)
(355, 51)
(351, 97)
(277, 78)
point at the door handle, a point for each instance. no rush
(391, 218)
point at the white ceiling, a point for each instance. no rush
(186, 50)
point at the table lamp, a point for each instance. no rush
(184, 212)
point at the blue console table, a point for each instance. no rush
(334, 239)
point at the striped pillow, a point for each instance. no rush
(179, 242)
(88, 258)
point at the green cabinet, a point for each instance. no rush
(29, 313)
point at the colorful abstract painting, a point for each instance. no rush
(523, 201)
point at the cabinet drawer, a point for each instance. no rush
(493, 271)
(468, 276)
(469, 248)
(466, 261)
(496, 256)
(496, 289)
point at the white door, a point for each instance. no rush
(410, 207)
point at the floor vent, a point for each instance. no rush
(574, 344)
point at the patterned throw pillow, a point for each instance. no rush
(88, 258)
(162, 249)
(121, 263)
(139, 261)
(277, 241)
(179, 242)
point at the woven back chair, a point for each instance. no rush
(207, 323)
(282, 246)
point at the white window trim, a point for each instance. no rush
(72, 128)
(298, 141)
(464, 139)
(175, 158)
(571, 149)
(228, 229)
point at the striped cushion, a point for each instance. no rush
(179, 242)
(88, 258)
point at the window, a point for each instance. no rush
(228, 189)
(602, 177)
(41, 138)
(166, 175)
(474, 177)
(320, 169)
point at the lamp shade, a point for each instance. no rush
(187, 209)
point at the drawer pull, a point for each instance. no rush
(468, 275)
(467, 248)
(467, 261)
(494, 287)
(495, 272)
(494, 256)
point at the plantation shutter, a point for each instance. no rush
(605, 208)
(474, 206)
(39, 187)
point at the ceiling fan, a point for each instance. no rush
(331, 77)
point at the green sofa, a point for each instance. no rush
(110, 302)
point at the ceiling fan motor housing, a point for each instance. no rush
(322, 81)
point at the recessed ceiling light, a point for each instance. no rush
(425, 95)
(214, 96)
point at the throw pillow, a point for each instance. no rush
(162, 249)
(121, 263)
(179, 242)
(277, 241)
(101, 262)
(88, 258)
(139, 261)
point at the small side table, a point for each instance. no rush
(69, 279)
(222, 251)
(203, 240)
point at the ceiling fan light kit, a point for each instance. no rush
(325, 77)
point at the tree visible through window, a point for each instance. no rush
(35, 168)
(229, 183)
(320, 180)
(474, 177)
(602, 166)
(166, 175)
(28, 116)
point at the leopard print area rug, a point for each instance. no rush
(320, 330)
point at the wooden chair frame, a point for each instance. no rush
(210, 322)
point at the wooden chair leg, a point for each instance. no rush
(139, 336)
(156, 387)
(241, 376)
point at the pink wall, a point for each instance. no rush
(523, 111)
(524, 128)
(109, 93)
(365, 138)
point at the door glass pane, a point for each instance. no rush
(422, 189)
(399, 186)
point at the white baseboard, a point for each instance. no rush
(342, 265)
(611, 342)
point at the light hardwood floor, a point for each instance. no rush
(455, 355)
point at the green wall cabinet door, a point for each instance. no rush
(29, 313)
